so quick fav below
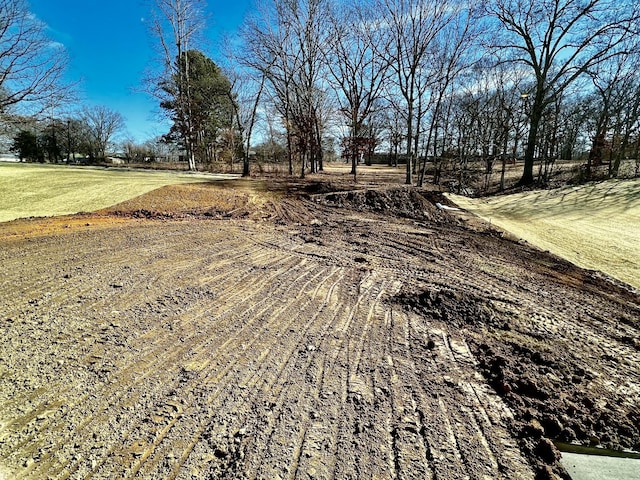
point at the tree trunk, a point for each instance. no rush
(416, 142)
(353, 147)
(319, 153)
(289, 152)
(529, 155)
(505, 152)
(409, 142)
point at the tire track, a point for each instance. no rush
(149, 362)
(239, 349)
(146, 366)
(258, 349)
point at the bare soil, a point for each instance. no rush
(308, 329)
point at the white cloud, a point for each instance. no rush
(56, 45)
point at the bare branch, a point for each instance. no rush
(31, 65)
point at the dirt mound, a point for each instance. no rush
(453, 307)
(547, 393)
(315, 187)
(543, 385)
(175, 200)
(274, 200)
(297, 202)
(401, 202)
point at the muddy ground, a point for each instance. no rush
(303, 330)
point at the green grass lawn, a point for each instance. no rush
(595, 226)
(34, 190)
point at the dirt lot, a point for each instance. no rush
(273, 330)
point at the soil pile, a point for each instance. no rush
(549, 389)
(402, 202)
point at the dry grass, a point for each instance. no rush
(595, 226)
(31, 190)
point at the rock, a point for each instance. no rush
(545, 473)
(533, 429)
(449, 381)
(567, 435)
(220, 453)
(547, 451)
(502, 387)
(587, 402)
(528, 387)
(552, 427)
(497, 365)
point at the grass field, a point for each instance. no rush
(33, 190)
(595, 226)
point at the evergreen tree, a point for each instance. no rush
(203, 110)
(26, 145)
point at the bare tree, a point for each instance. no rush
(413, 26)
(246, 92)
(31, 64)
(357, 70)
(450, 54)
(100, 124)
(627, 124)
(614, 109)
(249, 94)
(284, 42)
(176, 25)
(268, 40)
(558, 41)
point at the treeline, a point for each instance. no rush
(88, 135)
(436, 84)
(440, 83)
(33, 93)
(446, 82)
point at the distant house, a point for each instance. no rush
(8, 157)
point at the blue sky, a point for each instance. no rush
(110, 47)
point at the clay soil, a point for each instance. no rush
(288, 329)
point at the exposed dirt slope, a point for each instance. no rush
(306, 335)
